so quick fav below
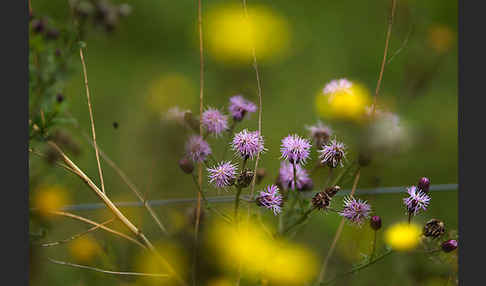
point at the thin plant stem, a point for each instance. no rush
(299, 221)
(152, 275)
(361, 267)
(329, 177)
(383, 62)
(131, 186)
(111, 206)
(201, 103)
(338, 234)
(92, 119)
(78, 235)
(239, 189)
(83, 219)
(208, 206)
(373, 248)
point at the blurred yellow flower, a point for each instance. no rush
(342, 99)
(170, 90)
(261, 256)
(440, 38)
(403, 236)
(50, 198)
(220, 281)
(230, 35)
(84, 248)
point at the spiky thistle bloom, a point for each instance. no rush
(295, 149)
(416, 201)
(320, 133)
(197, 149)
(214, 121)
(247, 143)
(239, 107)
(286, 176)
(337, 85)
(356, 211)
(333, 154)
(271, 199)
(223, 174)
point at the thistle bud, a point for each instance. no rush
(375, 222)
(449, 245)
(321, 200)
(244, 179)
(186, 165)
(434, 228)
(38, 25)
(52, 34)
(424, 184)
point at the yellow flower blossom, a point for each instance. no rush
(403, 236)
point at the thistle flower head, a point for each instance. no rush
(424, 184)
(356, 211)
(337, 85)
(271, 199)
(320, 133)
(416, 201)
(239, 107)
(223, 174)
(333, 154)
(449, 245)
(197, 149)
(214, 121)
(286, 176)
(295, 149)
(247, 144)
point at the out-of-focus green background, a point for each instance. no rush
(154, 53)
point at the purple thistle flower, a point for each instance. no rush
(197, 149)
(222, 175)
(271, 199)
(247, 144)
(337, 85)
(286, 176)
(239, 107)
(295, 149)
(356, 211)
(214, 121)
(333, 154)
(417, 200)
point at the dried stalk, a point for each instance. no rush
(109, 204)
(153, 275)
(92, 119)
(78, 235)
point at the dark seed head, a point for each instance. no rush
(332, 191)
(186, 165)
(375, 222)
(245, 178)
(424, 184)
(434, 228)
(321, 200)
(449, 245)
(115, 125)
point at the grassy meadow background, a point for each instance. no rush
(151, 63)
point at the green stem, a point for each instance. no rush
(238, 190)
(299, 221)
(358, 268)
(207, 205)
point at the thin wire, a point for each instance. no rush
(226, 199)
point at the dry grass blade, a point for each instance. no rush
(83, 219)
(130, 185)
(112, 207)
(92, 120)
(153, 275)
(59, 242)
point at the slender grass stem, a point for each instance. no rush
(152, 275)
(91, 117)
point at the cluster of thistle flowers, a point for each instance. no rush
(417, 201)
